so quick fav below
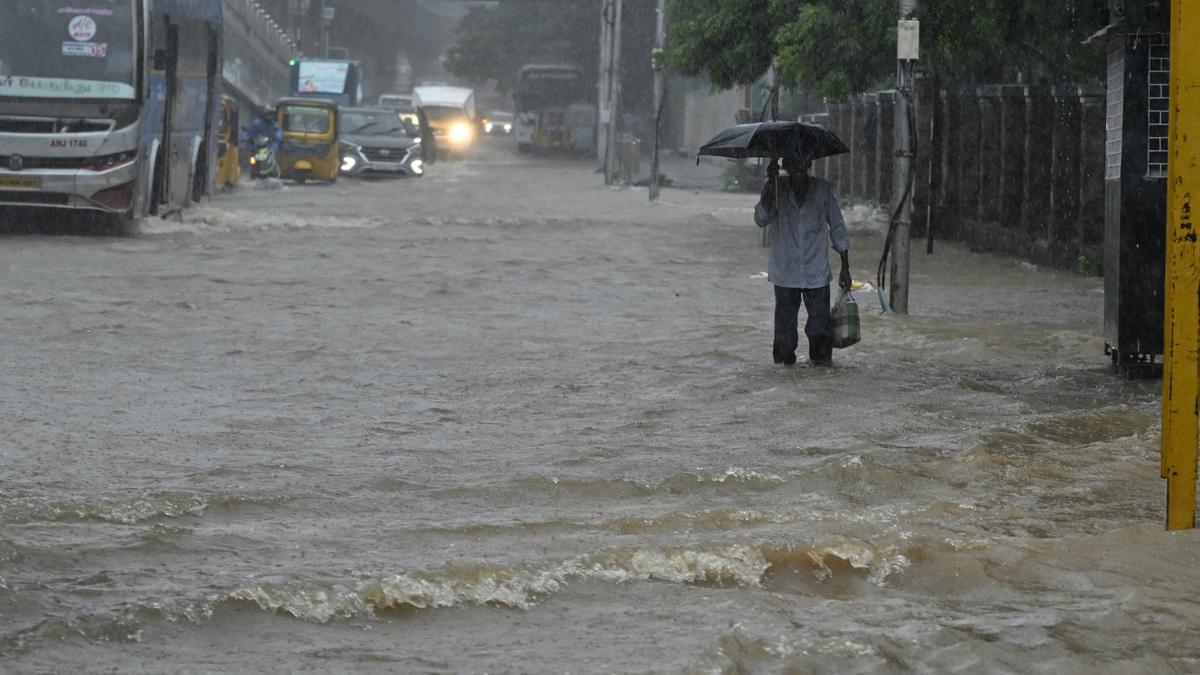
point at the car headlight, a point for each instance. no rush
(507, 128)
(417, 166)
(460, 133)
(348, 163)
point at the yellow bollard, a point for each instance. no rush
(1181, 338)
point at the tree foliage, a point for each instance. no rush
(835, 47)
(493, 43)
(729, 40)
(839, 47)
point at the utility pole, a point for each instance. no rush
(773, 91)
(1181, 353)
(660, 44)
(614, 96)
(325, 19)
(604, 83)
(907, 53)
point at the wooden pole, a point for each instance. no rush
(1181, 344)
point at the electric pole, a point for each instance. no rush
(603, 84)
(660, 43)
(907, 53)
(614, 95)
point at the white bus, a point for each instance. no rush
(108, 105)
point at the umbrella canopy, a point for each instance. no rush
(795, 140)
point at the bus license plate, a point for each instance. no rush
(21, 182)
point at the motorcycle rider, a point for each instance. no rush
(263, 127)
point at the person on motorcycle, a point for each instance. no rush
(264, 125)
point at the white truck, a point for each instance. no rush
(451, 115)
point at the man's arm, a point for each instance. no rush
(764, 212)
(839, 238)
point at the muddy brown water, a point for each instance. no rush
(504, 419)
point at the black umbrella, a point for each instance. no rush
(795, 140)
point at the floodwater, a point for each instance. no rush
(504, 419)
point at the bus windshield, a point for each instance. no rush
(68, 49)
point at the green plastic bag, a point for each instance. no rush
(845, 321)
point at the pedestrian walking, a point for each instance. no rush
(801, 218)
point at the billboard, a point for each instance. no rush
(323, 77)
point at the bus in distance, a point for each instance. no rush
(109, 105)
(553, 111)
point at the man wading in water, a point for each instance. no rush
(799, 259)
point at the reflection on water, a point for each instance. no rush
(537, 442)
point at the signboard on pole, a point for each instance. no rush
(908, 40)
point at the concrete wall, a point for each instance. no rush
(705, 114)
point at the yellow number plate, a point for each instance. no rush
(21, 182)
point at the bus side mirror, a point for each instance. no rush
(160, 59)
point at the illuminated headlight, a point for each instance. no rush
(348, 163)
(460, 133)
(488, 127)
(508, 128)
(253, 160)
(417, 166)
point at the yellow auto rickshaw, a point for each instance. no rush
(310, 149)
(229, 169)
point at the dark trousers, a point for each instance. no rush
(818, 328)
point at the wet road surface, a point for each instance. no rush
(505, 419)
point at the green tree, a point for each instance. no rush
(493, 43)
(839, 47)
(727, 40)
(835, 48)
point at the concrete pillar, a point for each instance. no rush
(869, 140)
(1035, 191)
(946, 200)
(1091, 165)
(988, 158)
(1064, 163)
(885, 144)
(1012, 154)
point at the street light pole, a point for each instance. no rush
(614, 95)
(324, 31)
(660, 43)
(604, 84)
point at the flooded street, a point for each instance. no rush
(505, 419)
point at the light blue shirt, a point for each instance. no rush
(799, 257)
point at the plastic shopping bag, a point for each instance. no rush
(845, 321)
